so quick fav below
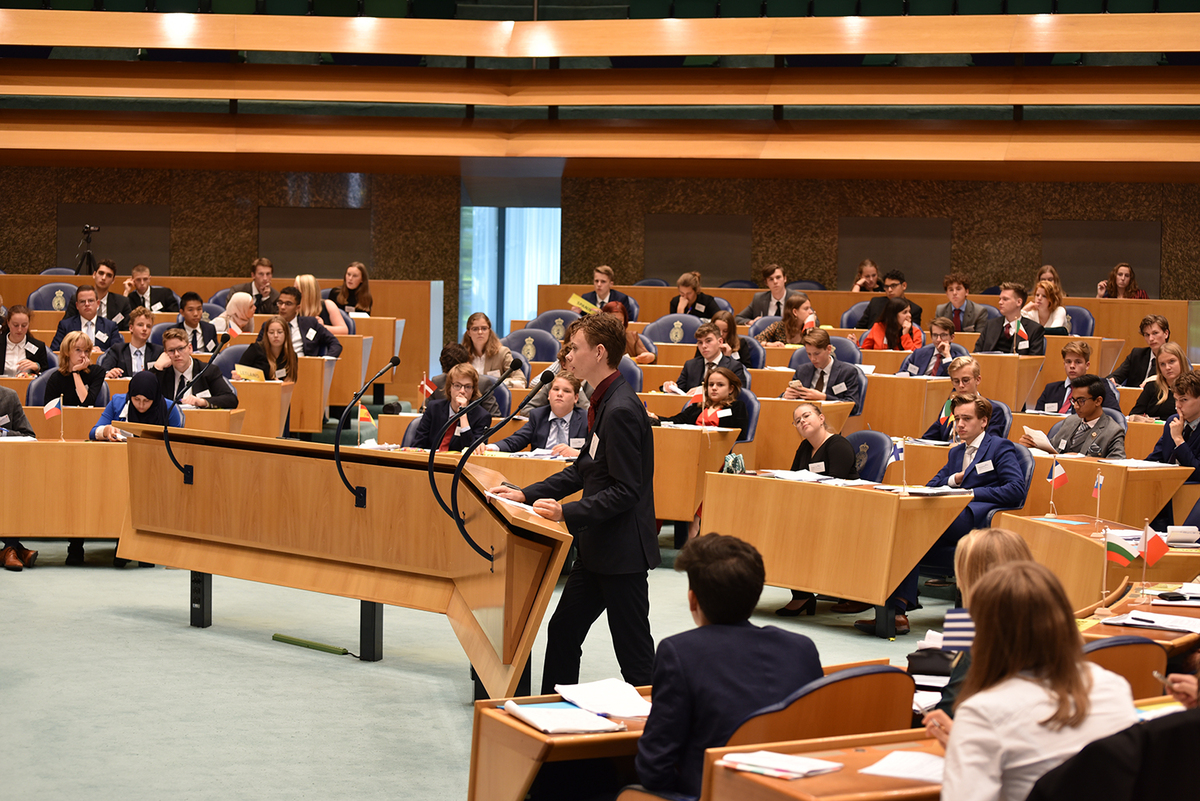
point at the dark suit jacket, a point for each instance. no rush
(485, 382)
(317, 339)
(920, 359)
(707, 682)
(261, 305)
(1186, 455)
(974, 317)
(1056, 392)
(1002, 486)
(760, 306)
(839, 373)
(121, 355)
(437, 412)
(208, 337)
(875, 309)
(12, 413)
(39, 354)
(737, 417)
(209, 379)
(1106, 440)
(1147, 403)
(692, 373)
(704, 306)
(1133, 370)
(943, 431)
(613, 295)
(255, 355)
(613, 523)
(993, 332)
(158, 294)
(537, 429)
(103, 326)
(59, 384)
(118, 310)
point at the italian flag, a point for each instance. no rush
(1120, 551)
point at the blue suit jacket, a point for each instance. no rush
(536, 430)
(116, 410)
(437, 412)
(1002, 486)
(1186, 455)
(613, 295)
(707, 681)
(920, 359)
(942, 432)
(839, 373)
(693, 372)
(104, 326)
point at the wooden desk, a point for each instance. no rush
(1010, 379)
(856, 548)
(387, 333)
(781, 357)
(19, 385)
(227, 421)
(1128, 397)
(75, 422)
(671, 353)
(853, 751)
(1105, 351)
(33, 506)
(769, 383)
(310, 396)
(1176, 642)
(266, 404)
(776, 439)
(886, 362)
(351, 369)
(900, 405)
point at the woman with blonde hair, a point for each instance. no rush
(77, 381)
(238, 317)
(354, 295)
(488, 356)
(798, 317)
(692, 299)
(1030, 700)
(866, 279)
(1045, 308)
(1157, 401)
(313, 305)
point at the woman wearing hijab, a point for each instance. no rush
(144, 403)
(238, 316)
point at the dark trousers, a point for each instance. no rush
(905, 596)
(626, 598)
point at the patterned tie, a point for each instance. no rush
(558, 433)
(1008, 329)
(958, 319)
(936, 364)
(1077, 438)
(968, 457)
(1066, 404)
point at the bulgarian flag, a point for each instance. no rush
(1120, 551)
(364, 415)
(1058, 475)
(1153, 547)
(53, 408)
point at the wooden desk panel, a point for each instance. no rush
(34, 508)
(1140, 438)
(886, 362)
(310, 396)
(1010, 379)
(227, 421)
(900, 405)
(351, 369)
(1177, 643)
(385, 331)
(777, 439)
(267, 404)
(1128, 397)
(74, 423)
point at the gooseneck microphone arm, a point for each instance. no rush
(186, 469)
(359, 493)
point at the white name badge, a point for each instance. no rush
(118, 318)
(156, 307)
(1062, 445)
(700, 307)
(1023, 344)
(3, 419)
(204, 393)
(725, 413)
(595, 444)
(30, 347)
(913, 369)
(101, 336)
(839, 388)
(577, 442)
(1052, 407)
(208, 346)
(281, 372)
(312, 332)
(349, 309)
(816, 467)
(984, 466)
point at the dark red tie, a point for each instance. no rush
(958, 319)
(937, 364)
(445, 446)
(1066, 407)
(1008, 329)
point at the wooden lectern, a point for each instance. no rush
(400, 550)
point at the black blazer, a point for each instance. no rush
(992, 336)
(703, 307)
(737, 418)
(121, 355)
(158, 294)
(1185, 455)
(221, 394)
(437, 412)
(255, 355)
(613, 523)
(875, 309)
(837, 455)
(536, 430)
(39, 354)
(1133, 371)
(707, 681)
(1056, 392)
(692, 373)
(64, 385)
(118, 310)
(1147, 403)
(316, 338)
(208, 337)
(261, 305)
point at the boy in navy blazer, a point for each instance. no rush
(965, 378)
(709, 680)
(708, 341)
(838, 381)
(1180, 442)
(933, 359)
(539, 431)
(602, 279)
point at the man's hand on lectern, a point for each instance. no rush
(551, 510)
(508, 493)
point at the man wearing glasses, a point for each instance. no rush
(965, 378)
(894, 287)
(309, 337)
(934, 359)
(1088, 430)
(102, 331)
(185, 380)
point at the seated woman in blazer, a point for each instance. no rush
(821, 451)
(895, 330)
(543, 429)
(1157, 401)
(488, 355)
(143, 403)
(23, 354)
(77, 381)
(462, 387)
(692, 300)
(634, 347)
(273, 354)
(798, 317)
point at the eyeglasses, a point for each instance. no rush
(891, 286)
(463, 387)
(480, 329)
(936, 335)
(176, 351)
(1078, 401)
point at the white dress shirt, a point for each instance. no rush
(137, 357)
(187, 379)
(969, 454)
(14, 353)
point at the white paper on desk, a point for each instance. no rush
(780, 369)
(924, 680)
(935, 442)
(1040, 440)
(1133, 463)
(1189, 588)
(562, 721)
(524, 506)
(918, 765)
(926, 490)
(867, 369)
(798, 475)
(1190, 602)
(17, 438)
(925, 700)
(612, 697)
(788, 763)
(1154, 620)
(849, 482)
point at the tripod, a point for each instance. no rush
(87, 262)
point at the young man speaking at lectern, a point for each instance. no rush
(613, 523)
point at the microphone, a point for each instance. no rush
(186, 469)
(359, 493)
(221, 343)
(551, 371)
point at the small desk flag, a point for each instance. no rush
(426, 386)
(1153, 547)
(1120, 551)
(1058, 475)
(53, 408)
(364, 415)
(1099, 483)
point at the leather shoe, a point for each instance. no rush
(11, 560)
(26, 556)
(869, 625)
(849, 607)
(74, 555)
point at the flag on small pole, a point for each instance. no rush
(1096, 491)
(364, 416)
(1120, 550)
(1057, 477)
(54, 409)
(426, 387)
(1153, 547)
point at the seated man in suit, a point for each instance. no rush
(602, 279)
(769, 303)
(309, 337)
(932, 359)
(894, 286)
(560, 427)
(823, 377)
(454, 353)
(965, 377)
(1180, 441)
(983, 463)
(691, 377)
(959, 309)
(259, 288)
(124, 359)
(100, 330)
(1010, 332)
(1139, 364)
(1077, 361)
(710, 679)
(185, 380)
(109, 305)
(201, 336)
(155, 298)
(1089, 430)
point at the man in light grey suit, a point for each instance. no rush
(769, 303)
(1089, 430)
(965, 314)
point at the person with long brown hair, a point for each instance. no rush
(488, 356)
(866, 278)
(895, 329)
(1030, 700)
(273, 353)
(24, 354)
(1121, 283)
(354, 295)
(798, 317)
(634, 347)
(732, 345)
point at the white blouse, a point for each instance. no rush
(1058, 317)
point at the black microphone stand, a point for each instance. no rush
(359, 493)
(186, 469)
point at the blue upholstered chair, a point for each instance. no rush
(758, 354)
(661, 329)
(1083, 324)
(43, 298)
(651, 282)
(872, 450)
(220, 298)
(762, 324)
(229, 357)
(554, 321)
(851, 315)
(631, 372)
(806, 286)
(845, 350)
(541, 345)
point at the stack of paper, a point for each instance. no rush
(925, 700)
(612, 697)
(561, 719)
(1153, 620)
(782, 766)
(918, 765)
(797, 475)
